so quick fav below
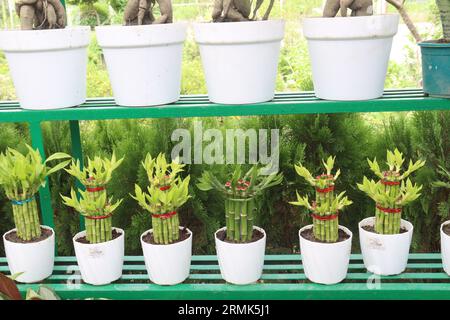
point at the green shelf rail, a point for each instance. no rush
(282, 273)
(283, 278)
(199, 106)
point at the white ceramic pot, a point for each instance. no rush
(35, 259)
(385, 254)
(168, 264)
(241, 263)
(445, 249)
(240, 59)
(100, 263)
(350, 56)
(144, 62)
(325, 263)
(48, 67)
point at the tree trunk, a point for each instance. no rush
(398, 4)
(444, 10)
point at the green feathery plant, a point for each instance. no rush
(21, 176)
(327, 205)
(165, 194)
(240, 203)
(93, 203)
(444, 183)
(392, 192)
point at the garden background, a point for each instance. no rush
(307, 138)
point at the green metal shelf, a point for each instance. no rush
(283, 278)
(283, 274)
(199, 106)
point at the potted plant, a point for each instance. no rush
(360, 45)
(445, 227)
(144, 56)
(385, 239)
(47, 60)
(167, 246)
(30, 246)
(325, 245)
(240, 245)
(435, 53)
(239, 52)
(100, 248)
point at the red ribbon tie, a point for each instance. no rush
(389, 210)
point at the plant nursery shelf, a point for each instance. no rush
(283, 278)
(199, 106)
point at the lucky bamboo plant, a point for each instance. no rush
(21, 176)
(325, 209)
(97, 210)
(392, 192)
(240, 198)
(165, 194)
(93, 203)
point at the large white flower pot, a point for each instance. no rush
(100, 263)
(385, 254)
(445, 249)
(240, 59)
(144, 62)
(48, 67)
(168, 264)
(325, 263)
(241, 263)
(350, 56)
(35, 259)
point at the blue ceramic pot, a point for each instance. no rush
(436, 68)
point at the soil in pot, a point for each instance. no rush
(115, 235)
(13, 237)
(372, 229)
(257, 235)
(308, 234)
(446, 229)
(148, 237)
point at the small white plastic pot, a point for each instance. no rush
(100, 263)
(385, 254)
(241, 263)
(240, 59)
(445, 249)
(144, 62)
(325, 263)
(350, 55)
(168, 264)
(48, 67)
(34, 259)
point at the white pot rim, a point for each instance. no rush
(345, 229)
(46, 31)
(351, 28)
(31, 243)
(151, 35)
(371, 220)
(235, 23)
(83, 233)
(241, 244)
(158, 27)
(166, 245)
(45, 40)
(442, 228)
(244, 32)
